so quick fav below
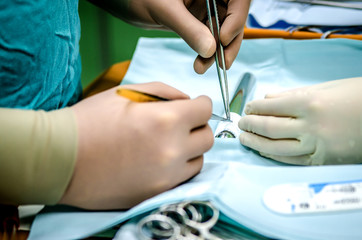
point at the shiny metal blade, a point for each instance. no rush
(243, 93)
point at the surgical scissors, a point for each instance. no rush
(223, 82)
(185, 220)
(191, 220)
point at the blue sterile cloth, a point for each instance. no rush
(234, 178)
(278, 14)
(39, 54)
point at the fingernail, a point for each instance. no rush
(247, 109)
(207, 48)
(241, 123)
(199, 68)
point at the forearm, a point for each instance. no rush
(38, 153)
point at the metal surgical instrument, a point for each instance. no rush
(191, 220)
(211, 7)
(185, 220)
(137, 96)
(242, 95)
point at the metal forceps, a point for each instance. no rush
(212, 10)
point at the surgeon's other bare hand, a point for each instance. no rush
(320, 124)
(188, 18)
(131, 151)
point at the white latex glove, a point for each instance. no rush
(130, 151)
(188, 18)
(320, 124)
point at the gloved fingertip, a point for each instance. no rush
(241, 123)
(248, 109)
(202, 64)
(242, 138)
(207, 47)
(199, 69)
(226, 37)
(270, 95)
(228, 62)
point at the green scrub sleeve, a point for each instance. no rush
(37, 155)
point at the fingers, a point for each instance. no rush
(232, 29)
(297, 92)
(271, 127)
(232, 50)
(281, 107)
(197, 35)
(231, 35)
(159, 89)
(233, 25)
(305, 91)
(296, 160)
(281, 147)
(193, 167)
(200, 141)
(196, 112)
(202, 64)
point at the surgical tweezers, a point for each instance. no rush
(223, 82)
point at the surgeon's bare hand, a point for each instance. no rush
(131, 151)
(320, 124)
(188, 18)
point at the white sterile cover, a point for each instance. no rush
(234, 178)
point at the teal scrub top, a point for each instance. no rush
(39, 54)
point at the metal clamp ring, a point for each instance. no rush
(172, 230)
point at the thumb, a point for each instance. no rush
(179, 19)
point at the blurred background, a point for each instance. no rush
(106, 40)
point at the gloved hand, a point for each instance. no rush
(188, 18)
(131, 151)
(320, 124)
